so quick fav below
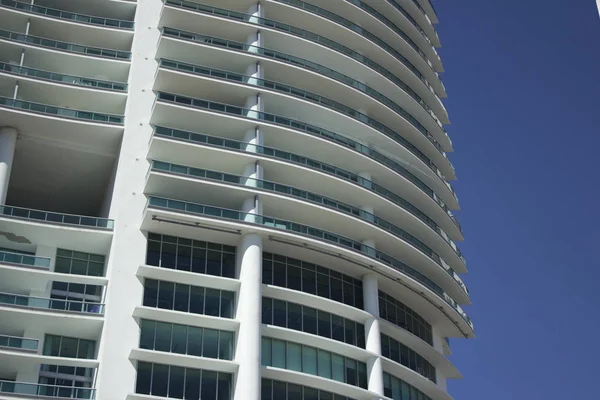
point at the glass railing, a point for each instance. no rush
(19, 343)
(305, 195)
(65, 46)
(236, 145)
(313, 36)
(51, 304)
(60, 78)
(408, 17)
(24, 259)
(56, 218)
(311, 129)
(61, 112)
(321, 69)
(276, 223)
(370, 36)
(33, 389)
(303, 94)
(82, 18)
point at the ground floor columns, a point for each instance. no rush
(8, 142)
(373, 333)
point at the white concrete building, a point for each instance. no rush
(226, 199)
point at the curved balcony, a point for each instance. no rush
(303, 230)
(25, 389)
(56, 218)
(425, 23)
(313, 130)
(62, 78)
(413, 21)
(240, 79)
(434, 56)
(309, 197)
(350, 83)
(313, 9)
(431, 119)
(409, 210)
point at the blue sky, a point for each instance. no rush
(523, 78)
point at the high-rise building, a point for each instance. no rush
(226, 199)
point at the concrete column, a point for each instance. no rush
(373, 333)
(256, 11)
(8, 142)
(366, 180)
(248, 313)
(253, 171)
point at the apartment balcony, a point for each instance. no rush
(185, 113)
(280, 37)
(88, 29)
(65, 57)
(13, 389)
(233, 88)
(30, 226)
(287, 202)
(194, 219)
(396, 95)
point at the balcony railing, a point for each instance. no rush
(26, 260)
(65, 46)
(196, 173)
(45, 303)
(370, 36)
(56, 218)
(33, 389)
(19, 343)
(315, 37)
(66, 15)
(69, 113)
(303, 94)
(312, 66)
(214, 141)
(302, 126)
(408, 17)
(61, 78)
(276, 223)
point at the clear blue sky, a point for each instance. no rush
(523, 78)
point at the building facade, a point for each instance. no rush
(226, 199)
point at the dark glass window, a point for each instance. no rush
(181, 382)
(298, 357)
(400, 315)
(309, 278)
(185, 298)
(183, 339)
(78, 263)
(406, 356)
(396, 388)
(190, 255)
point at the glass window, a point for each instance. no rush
(227, 299)
(176, 382)
(224, 386)
(162, 341)
(150, 292)
(400, 315)
(294, 357)
(195, 340)
(225, 345)
(294, 316)
(406, 356)
(309, 322)
(160, 380)
(209, 385)
(211, 343)
(309, 360)
(182, 297)
(267, 311)
(337, 328)
(278, 353)
(147, 334)
(79, 263)
(324, 364)
(338, 368)
(144, 378)
(294, 392)
(324, 319)
(179, 340)
(197, 300)
(265, 357)
(165, 295)
(190, 255)
(212, 302)
(192, 383)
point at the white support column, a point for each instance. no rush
(8, 142)
(373, 333)
(248, 313)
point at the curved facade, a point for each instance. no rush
(232, 199)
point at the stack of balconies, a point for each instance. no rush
(275, 174)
